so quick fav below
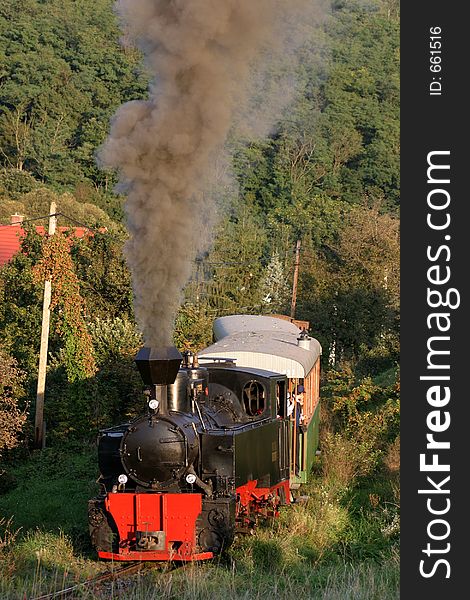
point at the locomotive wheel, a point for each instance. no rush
(102, 536)
(210, 540)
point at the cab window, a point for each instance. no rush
(254, 398)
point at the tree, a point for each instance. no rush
(63, 76)
(274, 288)
(235, 264)
(17, 133)
(57, 267)
(79, 399)
(362, 93)
(351, 291)
(13, 184)
(104, 276)
(193, 327)
(35, 203)
(20, 304)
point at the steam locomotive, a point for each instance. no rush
(216, 448)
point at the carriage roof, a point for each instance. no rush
(262, 342)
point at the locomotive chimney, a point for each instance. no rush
(158, 368)
(303, 341)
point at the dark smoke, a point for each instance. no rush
(199, 53)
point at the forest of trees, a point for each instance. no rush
(328, 175)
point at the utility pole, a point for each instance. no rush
(296, 278)
(39, 439)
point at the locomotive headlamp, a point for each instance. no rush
(122, 478)
(190, 478)
(153, 404)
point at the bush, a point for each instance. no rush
(114, 338)
(13, 414)
(77, 410)
(14, 183)
(362, 421)
(116, 342)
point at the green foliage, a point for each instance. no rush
(21, 304)
(105, 278)
(113, 337)
(116, 341)
(232, 272)
(329, 176)
(90, 269)
(77, 410)
(110, 203)
(103, 281)
(13, 411)
(15, 183)
(337, 147)
(36, 203)
(193, 327)
(341, 140)
(361, 97)
(275, 292)
(64, 75)
(57, 267)
(72, 410)
(350, 290)
(361, 421)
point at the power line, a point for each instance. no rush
(28, 220)
(56, 214)
(80, 224)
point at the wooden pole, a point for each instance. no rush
(46, 315)
(296, 278)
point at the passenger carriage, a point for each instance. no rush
(281, 345)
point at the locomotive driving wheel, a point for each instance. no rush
(101, 533)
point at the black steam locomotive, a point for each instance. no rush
(216, 448)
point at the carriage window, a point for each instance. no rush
(253, 398)
(281, 399)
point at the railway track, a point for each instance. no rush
(114, 574)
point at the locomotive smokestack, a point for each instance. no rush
(159, 367)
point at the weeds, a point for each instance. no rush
(8, 537)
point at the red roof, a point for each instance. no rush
(10, 238)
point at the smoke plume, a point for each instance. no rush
(199, 53)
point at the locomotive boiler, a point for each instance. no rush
(212, 453)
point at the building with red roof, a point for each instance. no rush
(12, 233)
